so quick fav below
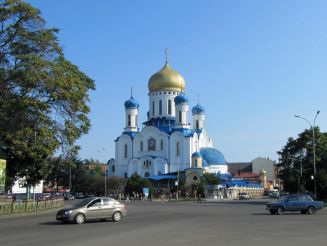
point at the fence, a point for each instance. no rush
(29, 206)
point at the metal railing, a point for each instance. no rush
(14, 207)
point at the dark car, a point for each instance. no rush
(93, 208)
(297, 202)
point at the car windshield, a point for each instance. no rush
(83, 203)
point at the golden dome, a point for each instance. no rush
(166, 79)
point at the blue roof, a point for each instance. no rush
(181, 98)
(196, 154)
(161, 177)
(131, 103)
(185, 131)
(213, 156)
(198, 109)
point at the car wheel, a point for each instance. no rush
(116, 216)
(312, 210)
(280, 210)
(303, 211)
(273, 212)
(79, 219)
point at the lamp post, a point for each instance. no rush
(312, 126)
(105, 173)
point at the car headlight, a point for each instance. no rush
(68, 211)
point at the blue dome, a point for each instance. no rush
(131, 103)
(198, 109)
(181, 98)
(204, 163)
(196, 154)
(213, 156)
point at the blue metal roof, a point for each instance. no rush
(161, 177)
(181, 98)
(198, 109)
(196, 154)
(131, 103)
(212, 156)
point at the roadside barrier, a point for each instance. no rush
(29, 206)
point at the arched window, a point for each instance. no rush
(160, 107)
(152, 144)
(113, 168)
(178, 149)
(161, 145)
(125, 151)
(129, 120)
(135, 120)
(141, 146)
(180, 116)
(169, 107)
(195, 163)
(197, 124)
(153, 111)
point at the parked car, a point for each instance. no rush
(273, 194)
(93, 208)
(244, 196)
(68, 196)
(297, 202)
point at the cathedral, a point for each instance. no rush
(167, 142)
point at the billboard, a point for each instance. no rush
(3, 165)
(20, 187)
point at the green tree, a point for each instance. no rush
(291, 158)
(136, 184)
(43, 96)
(210, 179)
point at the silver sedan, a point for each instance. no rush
(93, 208)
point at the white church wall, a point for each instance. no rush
(164, 96)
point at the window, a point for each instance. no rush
(169, 107)
(147, 164)
(125, 175)
(152, 144)
(195, 178)
(160, 107)
(180, 116)
(178, 151)
(141, 146)
(125, 151)
(113, 168)
(147, 174)
(197, 124)
(195, 163)
(95, 203)
(135, 120)
(108, 201)
(153, 108)
(129, 120)
(161, 144)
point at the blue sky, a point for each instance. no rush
(254, 64)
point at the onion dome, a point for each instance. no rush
(212, 156)
(131, 103)
(181, 98)
(166, 79)
(198, 109)
(196, 154)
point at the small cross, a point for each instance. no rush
(131, 91)
(166, 51)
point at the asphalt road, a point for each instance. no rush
(174, 223)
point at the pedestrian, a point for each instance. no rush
(199, 198)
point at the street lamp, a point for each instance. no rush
(105, 173)
(312, 126)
